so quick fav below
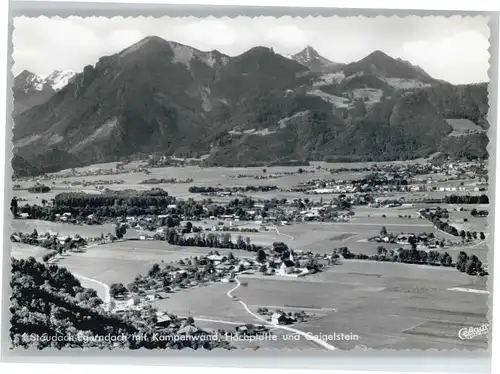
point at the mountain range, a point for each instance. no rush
(30, 89)
(257, 108)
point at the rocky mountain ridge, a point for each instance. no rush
(259, 107)
(30, 89)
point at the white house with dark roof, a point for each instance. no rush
(287, 267)
(278, 319)
(189, 330)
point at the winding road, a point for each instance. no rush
(277, 326)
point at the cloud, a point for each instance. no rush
(121, 39)
(288, 36)
(458, 58)
(211, 32)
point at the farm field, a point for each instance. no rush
(479, 224)
(23, 251)
(214, 176)
(386, 305)
(27, 197)
(324, 237)
(121, 262)
(28, 225)
(206, 302)
(463, 126)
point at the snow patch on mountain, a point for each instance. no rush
(59, 79)
(30, 81)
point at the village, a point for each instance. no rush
(159, 252)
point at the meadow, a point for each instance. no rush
(121, 262)
(86, 231)
(386, 305)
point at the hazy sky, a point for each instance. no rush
(454, 49)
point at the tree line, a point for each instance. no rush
(435, 218)
(210, 240)
(467, 199)
(465, 263)
(234, 189)
(39, 188)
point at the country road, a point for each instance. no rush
(276, 326)
(279, 233)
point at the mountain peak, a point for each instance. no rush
(28, 80)
(173, 51)
(378, 56)
(25, 73)
(149, 42)
(310, 58)
(308, 54)
(382, 65)
(152, 39)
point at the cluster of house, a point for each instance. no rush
(388, 203)
(423, 186)
(344, 188)
(455, 168)
(394, 173)
(282, 215)
(47, 237)
(226, 268)
(296, 263)
(64, 217)
(280, 317)
(97, 183)
(423, 241)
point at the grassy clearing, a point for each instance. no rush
(463, 126)
(21, 250)
(207, 302)
(343, 236)
(386, 305)
(479, 224)
(323, 237)
(121, 262)
(28, 225)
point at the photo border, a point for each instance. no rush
(456, 360)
